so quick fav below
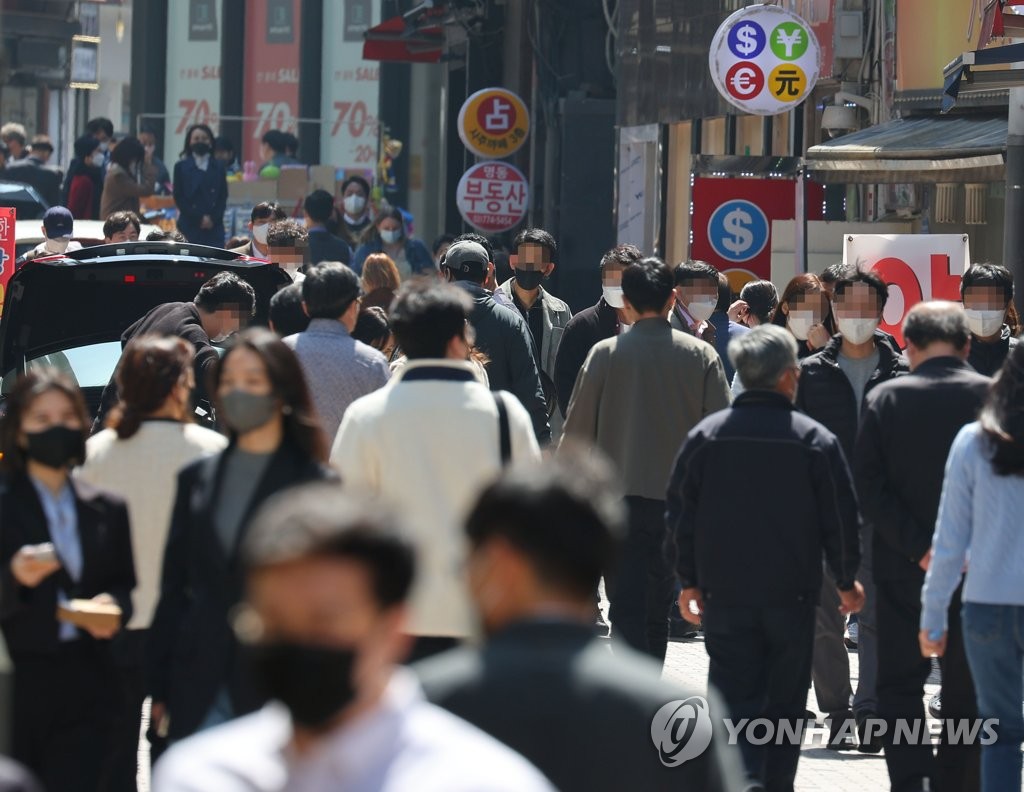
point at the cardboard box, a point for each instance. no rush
(293, 184)
(252, 193)
(322, 177)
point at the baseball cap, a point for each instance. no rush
(58, 222)
(465, 256)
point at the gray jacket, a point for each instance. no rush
(556, 317)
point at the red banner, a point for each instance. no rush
(271, 90)
(732, 222)
(8, 215)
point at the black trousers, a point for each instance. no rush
(902, 673)
(63, 705)
(128, 651)
(640, 587)
(425, 646)
(761, 665)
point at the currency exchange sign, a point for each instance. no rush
(764, 59)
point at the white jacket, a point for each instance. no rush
(428, 447)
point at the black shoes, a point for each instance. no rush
(872, 746)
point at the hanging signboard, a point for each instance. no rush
(493, 197)
(494, 123)
(8, 215)
(764, 59)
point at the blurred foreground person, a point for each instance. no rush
(755, 576)
(541, 537)
(327, 583)
(61, 541)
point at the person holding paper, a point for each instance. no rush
(63, 545)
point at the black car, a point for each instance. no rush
(70, 311)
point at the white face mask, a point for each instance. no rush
(857, 331)
(58, 245)
(702, 309)
(259, 233)
(800, 324)
(984, 323)
(354, 205)
(613, 296)
(390, 237)
(105, 145)
(97, 159)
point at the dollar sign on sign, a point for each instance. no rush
(738, 237)
(746, 40)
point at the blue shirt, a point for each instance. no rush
(979, 522)
(62, 518)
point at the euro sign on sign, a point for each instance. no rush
(764, 59)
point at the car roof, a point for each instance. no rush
(93, 295)
(30, 232)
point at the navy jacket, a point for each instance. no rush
(324, 246)
(764, 548)
(198, 193)
(986, 358)
(416, 254)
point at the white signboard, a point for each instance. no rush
(916, 266)
(764, 59)
(351, 90)
(193, 70)
(638, 179)
(493, 197)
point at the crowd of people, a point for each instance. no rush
(410, 486)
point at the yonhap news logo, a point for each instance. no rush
(681, 730)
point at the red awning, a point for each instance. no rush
(402, 41)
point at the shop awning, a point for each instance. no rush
(415, 37)
(930, 150)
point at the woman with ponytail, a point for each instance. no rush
(979, 526)
(149, 438)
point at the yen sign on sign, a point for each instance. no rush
(764, 59)
(738, 230)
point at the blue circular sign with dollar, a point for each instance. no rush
(764, 59)
(738, 230)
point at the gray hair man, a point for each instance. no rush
(751, 567)
(907, 429)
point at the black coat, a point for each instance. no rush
(502, 335)
(28, 615)
(536, 679)
(826, 395)
(986, 358)
(170, 319)
(192, 648)
(324, 246)
(908, 428)
(584, 330)
(764, 548)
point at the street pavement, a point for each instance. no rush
(819, 769)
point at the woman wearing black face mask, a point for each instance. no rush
(60, 540)
(200, 189)
(276, 442)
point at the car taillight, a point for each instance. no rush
(129, 279)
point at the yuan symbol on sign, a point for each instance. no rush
(787, 80)
(789, 40)
(746, 40)
(738, 239)
(500, 118)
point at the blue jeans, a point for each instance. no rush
(994, 640)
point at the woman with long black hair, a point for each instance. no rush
(60, 540)
(200, 189)
(261, 396)
(979, 524)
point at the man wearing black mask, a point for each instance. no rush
(328, 582)
(544, 313)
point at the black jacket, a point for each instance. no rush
(584, 330)
(170, 319)
(538, 678)
(192, 648)
(797, 500)
(908, 427)
(826, 395)
(28, 615)
(987, 358)
(46, 180)
(502, 335)
(324, 246)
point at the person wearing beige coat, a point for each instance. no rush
(131, 175)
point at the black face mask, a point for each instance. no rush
(56, 447)
(201, 149)
(313, 682)
(529, 279)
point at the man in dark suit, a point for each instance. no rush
(540, 538)
(323, 245)
(907, 429)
